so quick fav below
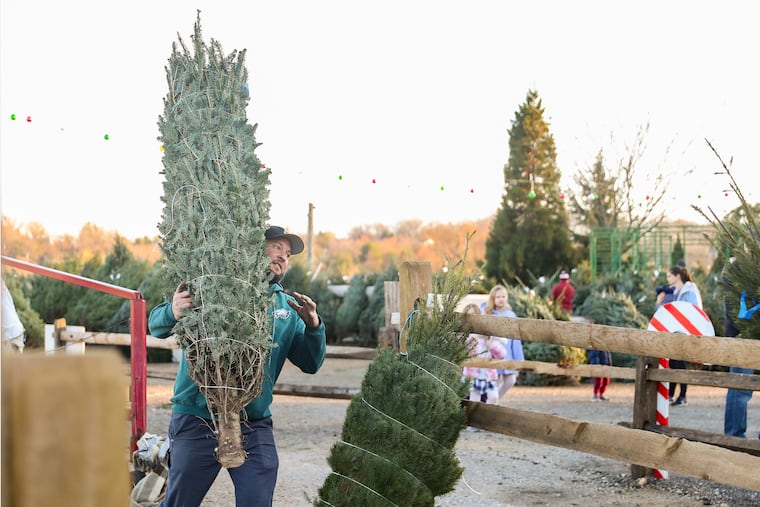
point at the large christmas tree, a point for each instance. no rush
(216, 207)
(530, 235)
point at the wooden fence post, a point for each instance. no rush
(65, 439)
(415, 283)
(644, 404)
(387, 336)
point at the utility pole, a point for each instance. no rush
(309, 235)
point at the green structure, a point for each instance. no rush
(610, 248)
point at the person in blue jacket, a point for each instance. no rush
(299, 336)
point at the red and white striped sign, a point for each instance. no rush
(676, 317)
(681, 317)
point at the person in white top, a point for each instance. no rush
(13, 330)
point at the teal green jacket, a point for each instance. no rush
(304, 347)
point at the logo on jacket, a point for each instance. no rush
(281, 313)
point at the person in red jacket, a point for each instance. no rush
(564, 292)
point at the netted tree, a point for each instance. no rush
(398, 438)
(530, 234)
(216, 207)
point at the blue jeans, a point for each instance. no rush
(193, 465)
(735, 417)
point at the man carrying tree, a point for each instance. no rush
(299, 335)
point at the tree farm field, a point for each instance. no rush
(498, 470)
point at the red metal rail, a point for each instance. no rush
(137, 328)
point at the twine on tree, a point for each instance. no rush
(434, 377)
(402, 424)
(337, 474)
(362, 449)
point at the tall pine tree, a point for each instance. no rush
(596, 204)
(530, 235)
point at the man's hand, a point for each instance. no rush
(181, 300)
(307, 309)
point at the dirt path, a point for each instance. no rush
(499, 470)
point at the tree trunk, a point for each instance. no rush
(230, 452)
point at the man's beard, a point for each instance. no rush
(275, 278)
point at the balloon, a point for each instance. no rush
(441, 188)
(29, 119)
(13, 117)
(561, 195)
(531, 195)
(106, 137)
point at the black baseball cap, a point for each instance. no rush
(275, 232)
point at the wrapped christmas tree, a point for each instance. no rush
(398, 438)
(216, 207)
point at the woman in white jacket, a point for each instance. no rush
(684, 290)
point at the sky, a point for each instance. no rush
(376, 112)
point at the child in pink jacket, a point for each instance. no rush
(484, 386)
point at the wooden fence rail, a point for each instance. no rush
(646, 450)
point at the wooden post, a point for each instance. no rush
(644, 404)
(65, 436)
(415, 283)
(391, 303)
(388, 335)
(52, 335)
(74, 348)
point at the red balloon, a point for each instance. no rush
(29, 119)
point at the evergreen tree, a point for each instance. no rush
(604, 198)
(53, 298)
(355, 300)
(738, 240)
(530, 233)
(96, 310)
(372, 317)
(216, 209)
(398, 438)
(678, 253)
(596, 203)
(327, 303)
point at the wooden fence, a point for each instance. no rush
(642, 443)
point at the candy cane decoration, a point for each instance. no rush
(676, 317)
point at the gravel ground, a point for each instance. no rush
(499, 470)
